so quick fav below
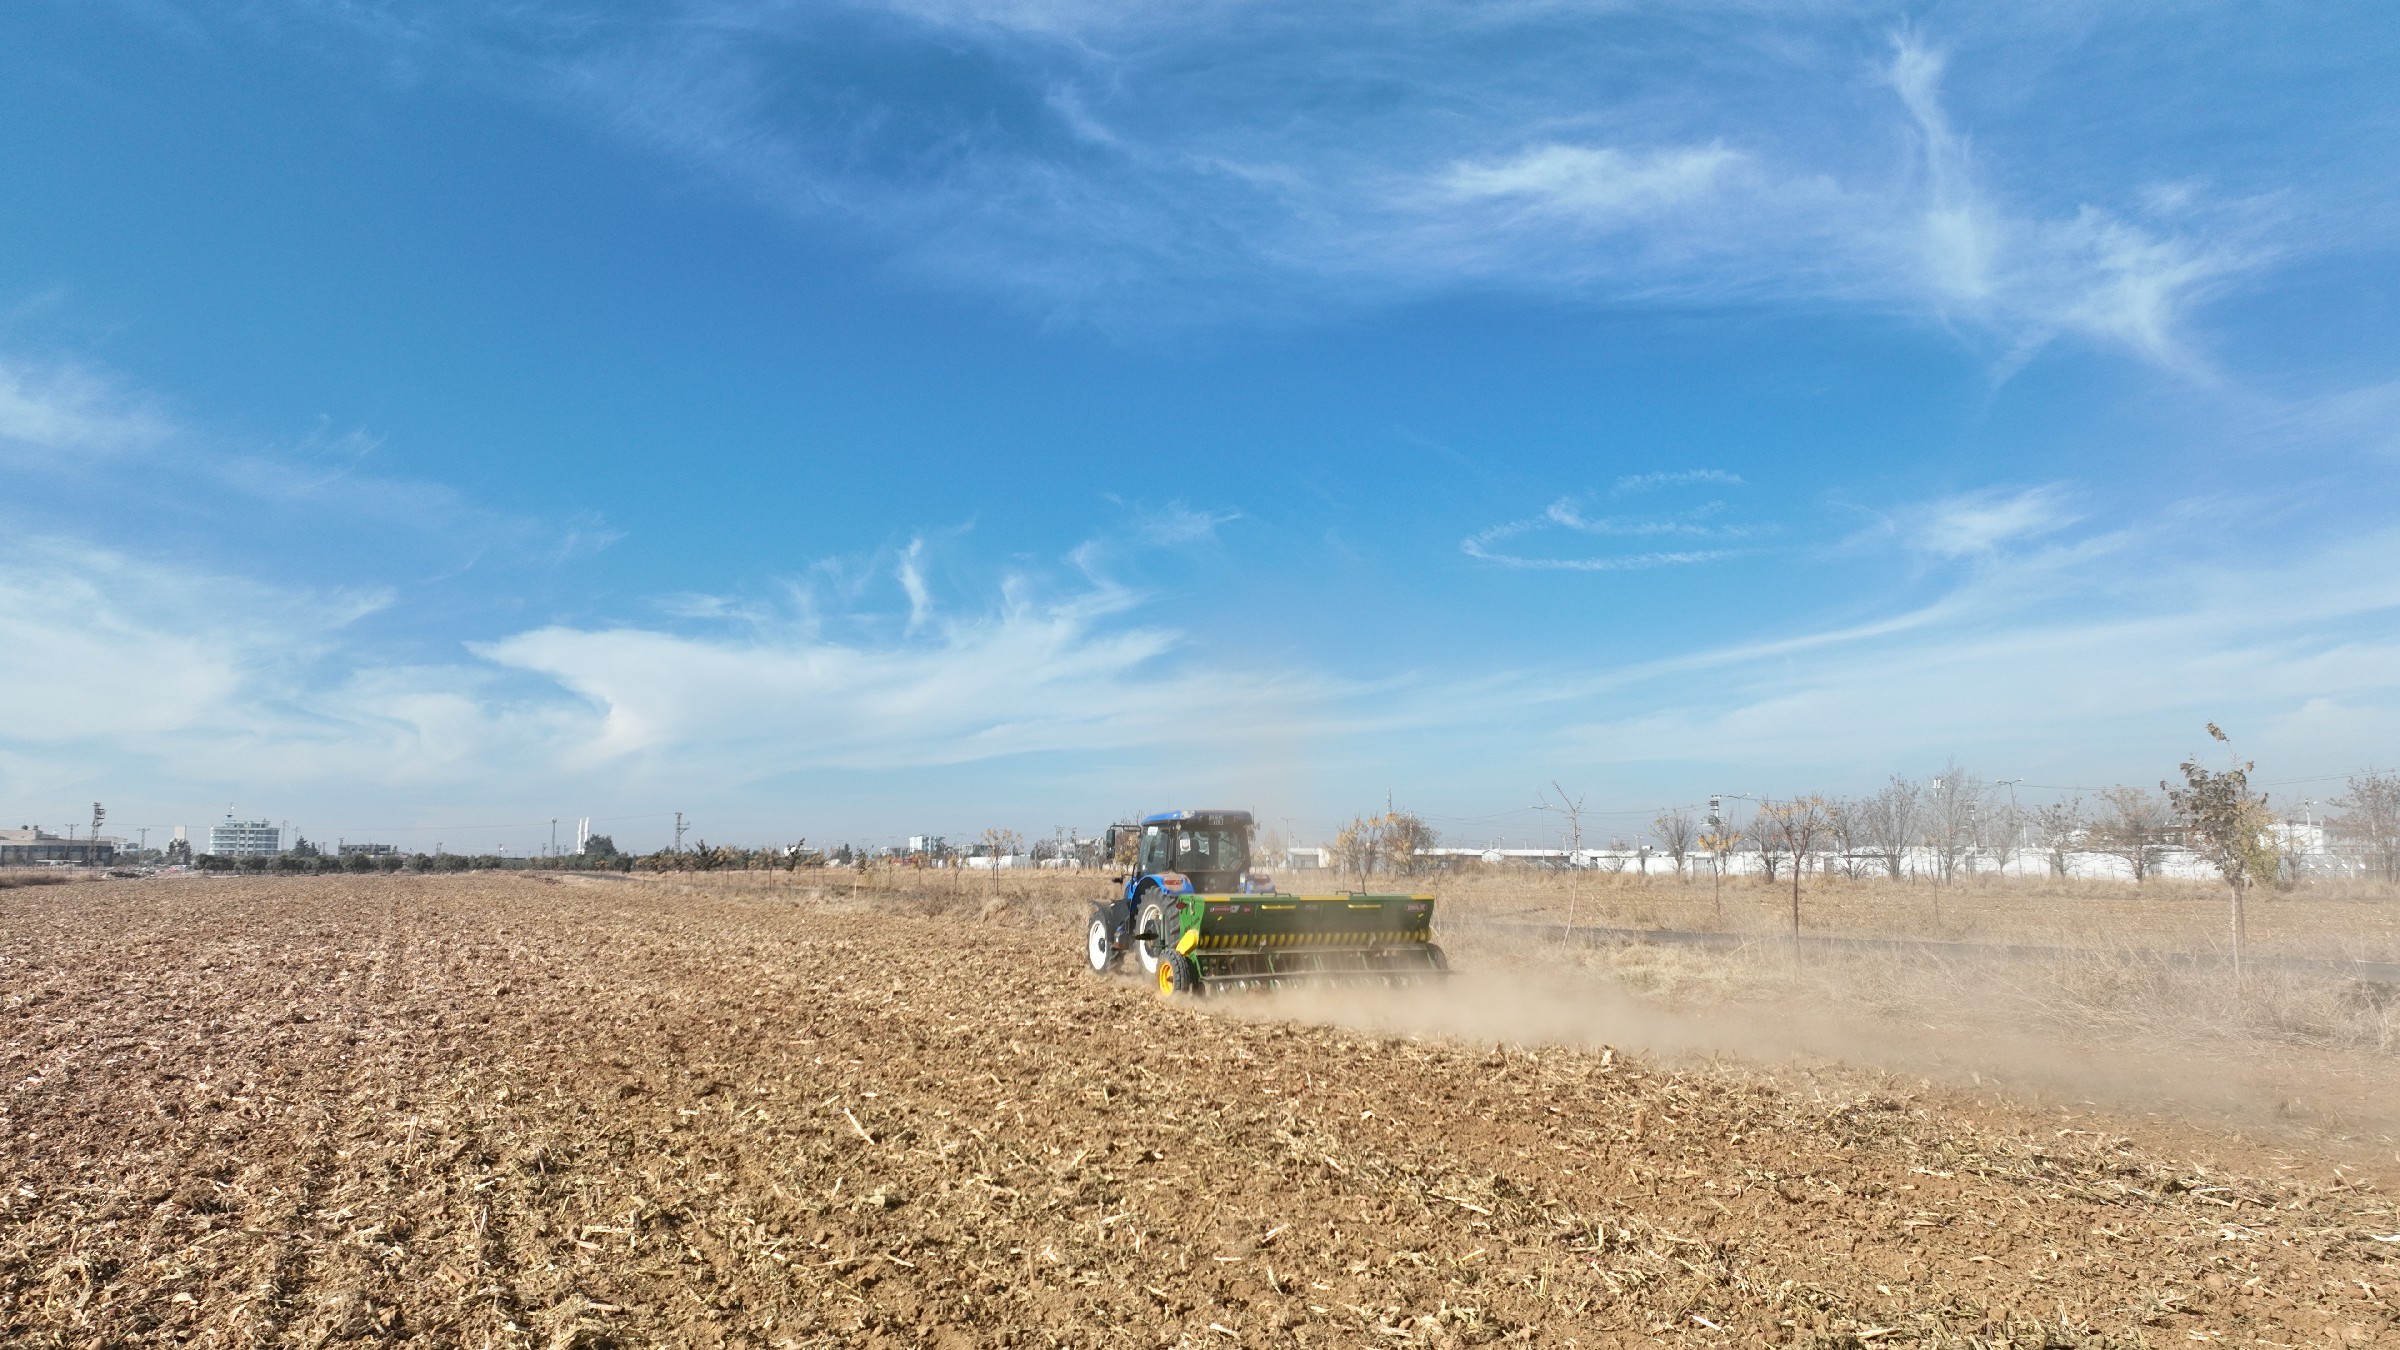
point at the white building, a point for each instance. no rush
(245, 839)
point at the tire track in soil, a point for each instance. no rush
(304, 1256)
(360, 1283)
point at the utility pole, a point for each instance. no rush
(1716, 853)
(554, 836)
(145, 833)
(679, 832)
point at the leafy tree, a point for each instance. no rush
(301, 848)
(2230, 826)
(599, 846)
(1391, 842)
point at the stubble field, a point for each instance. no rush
(515, 1111)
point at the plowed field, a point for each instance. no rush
(503, 1111)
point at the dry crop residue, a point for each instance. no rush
(470, 1111)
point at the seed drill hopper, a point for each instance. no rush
(1198, 918)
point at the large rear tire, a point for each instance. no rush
(1150, 916)
(1100, 947)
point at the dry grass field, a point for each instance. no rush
(509, 1110)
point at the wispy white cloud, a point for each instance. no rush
(60, 408)
(96, 644)
(2066, 647)
(1146, 165)
(1644, 482)
(1623, 562)
(1589, 185)
(65, 421)
(2091, 272)
(1031, 678)
(207, 677)
(1708, 521)
(910, 572)
(2299, 648)
(1977, 524)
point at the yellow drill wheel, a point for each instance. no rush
(1166, 979)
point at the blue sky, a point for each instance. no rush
(860, 419)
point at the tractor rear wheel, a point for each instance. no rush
(1151, 917)
(1100, 947)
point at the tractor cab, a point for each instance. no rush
(1196, 852)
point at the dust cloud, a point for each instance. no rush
(2297, 1092)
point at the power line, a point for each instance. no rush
(517, 825)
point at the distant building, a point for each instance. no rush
(245, 839)
(32, 845)
(371, 850)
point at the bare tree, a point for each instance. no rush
(1888, 823)
(1676, 832)
(2231, 827)
(2134, 829)
(2008, 825)
(2370, 819)
(1572, 809)
(1761, 834)
(1846, 830)
(2061, 827)
(1799, 828)
(1954, 817)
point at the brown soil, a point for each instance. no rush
(508, 1111)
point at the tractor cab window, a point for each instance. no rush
(1207, 849)
(1157, 853)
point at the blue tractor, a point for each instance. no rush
(1197, 915)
